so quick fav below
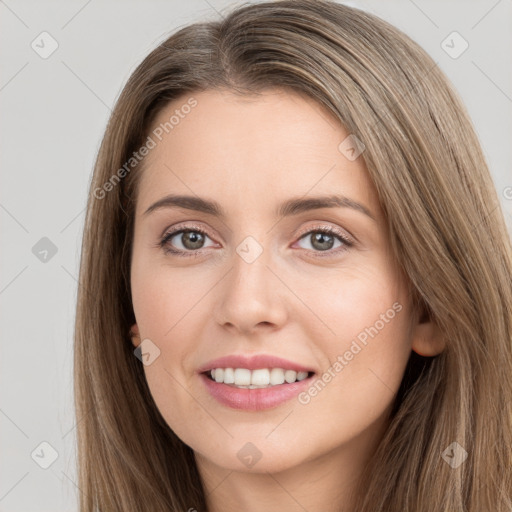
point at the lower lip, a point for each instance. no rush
(254, 399)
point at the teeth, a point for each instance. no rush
(276, 376)
(290, 376)
(242, 376)
(261, 378)
(229, 376)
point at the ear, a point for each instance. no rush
(135, 335)
(427, 338)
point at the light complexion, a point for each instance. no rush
(304, 298)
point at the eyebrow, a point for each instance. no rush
(290, 207)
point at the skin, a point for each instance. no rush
(250, 154)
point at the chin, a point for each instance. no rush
(250, 458)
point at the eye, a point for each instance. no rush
(192, 239)
(323, 239)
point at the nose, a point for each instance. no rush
(250, 297)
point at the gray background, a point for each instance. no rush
(53, 113)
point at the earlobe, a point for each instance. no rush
(427, 338)
(135, 335)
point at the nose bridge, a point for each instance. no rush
(249, 291)
(250, 275)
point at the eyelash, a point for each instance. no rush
(328, 230)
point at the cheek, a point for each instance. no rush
(163, 297)
(170, 311)
(346, 302)
(366, 340)
(366, 365)
(167, 311)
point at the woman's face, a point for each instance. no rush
(258, 278)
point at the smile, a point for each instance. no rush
(254, 379)
(254, 397)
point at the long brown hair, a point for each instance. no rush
(447, 233)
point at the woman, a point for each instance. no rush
(295, 279)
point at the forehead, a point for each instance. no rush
(249, 151)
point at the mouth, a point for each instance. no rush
(255, 390)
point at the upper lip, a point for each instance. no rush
(253, 363)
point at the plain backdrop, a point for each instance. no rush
(54, 109)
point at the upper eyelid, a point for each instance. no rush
(343, 233)
(179, 228)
